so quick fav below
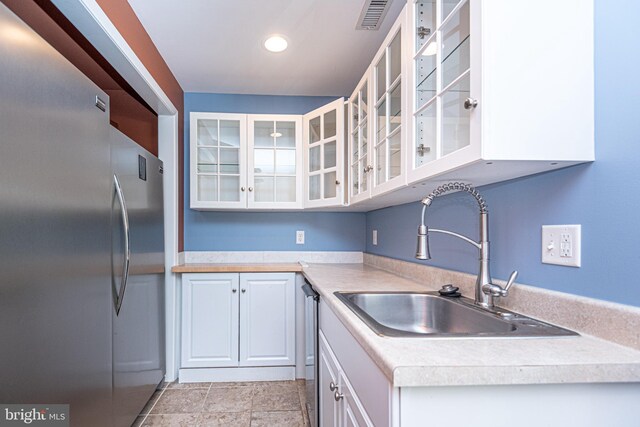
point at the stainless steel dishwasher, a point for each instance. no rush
(311, 350)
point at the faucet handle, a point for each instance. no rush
(512, 279)
(497, 290)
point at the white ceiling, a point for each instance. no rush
(217, 45)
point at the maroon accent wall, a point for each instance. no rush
(128, 24)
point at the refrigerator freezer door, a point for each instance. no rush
(55, 293)
(138, 341)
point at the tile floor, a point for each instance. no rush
(241, 404)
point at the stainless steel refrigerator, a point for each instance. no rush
(73, 329)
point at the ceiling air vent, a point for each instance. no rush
(372, 14)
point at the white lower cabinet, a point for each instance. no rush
(238, 320)
(339, 404)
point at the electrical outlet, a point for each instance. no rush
(561, 245)
(374, 237)
(300, 237)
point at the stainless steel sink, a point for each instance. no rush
(410, 314)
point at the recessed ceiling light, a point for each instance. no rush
(275, 43)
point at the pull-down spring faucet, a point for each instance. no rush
(485, 290)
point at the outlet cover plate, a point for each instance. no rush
(300, 237)
(561, 245)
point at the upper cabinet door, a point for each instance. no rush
(389, 108)
(446, 86)
(360, 168)
(275, 161)
(324, 151)
(217, 160)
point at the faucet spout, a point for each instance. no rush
(483, 296)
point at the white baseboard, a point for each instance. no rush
(271, 373)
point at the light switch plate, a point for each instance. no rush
(561, 245)
(374, 237)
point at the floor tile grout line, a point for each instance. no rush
(152, 406)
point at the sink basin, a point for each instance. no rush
(411, 314)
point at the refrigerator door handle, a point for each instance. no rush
(127, 247)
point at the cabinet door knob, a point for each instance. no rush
(337, 182)
(250, 188)
(244, 290)
(332, 386)
(234, 290)
(470, 103)
(242, 188)
(369, 168)
(337, 396)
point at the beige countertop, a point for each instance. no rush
(410, 362)
(237, 268)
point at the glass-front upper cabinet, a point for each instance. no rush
(359, 164)
(217, 166)
(275, 161)
(444, 97)
(388, 118)
(324, 155)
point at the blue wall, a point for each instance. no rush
(603, 196)
(253, 231)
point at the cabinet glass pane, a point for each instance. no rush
(364, 101)
(263, 161)
(425, 18)
(207, 156)
(363, 140)
(330, 154)
(314, 130)
(381, 131)
(285, 162)
(381, 77)
(262, 134)
(395, 58)
(455, 46)
(229, 188)
(314, 159)
(285, 189)
(364, 177)
(229, 133)
(207, 188)
(330, 185)
(264, 189)
(285, 134)
(395, 108)
(230, 160)
(426, 135)
(355, 155)
(355, 108)
(395, 155)
(207, 168)
(426, 74)
(207, 132)
(330, 124)
(355, 179)
(455, 119)
(381, 163)
(448, 6)
(314, 187)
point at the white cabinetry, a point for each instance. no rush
(494, 97)
(245, 161)
(359, 136)
(324, 151)
(389, 84)
(339, 404)
(238, 320)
